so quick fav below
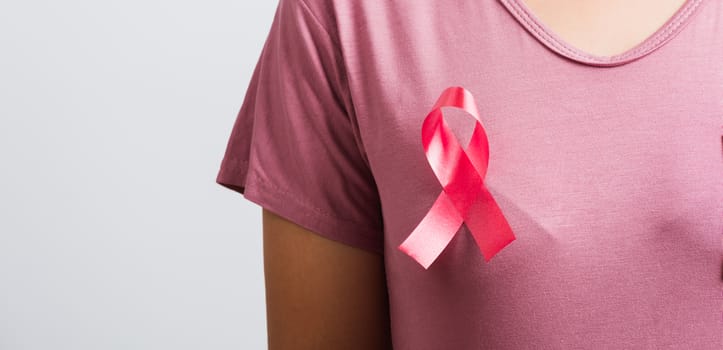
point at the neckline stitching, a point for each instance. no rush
(647, 45)
(666, 33)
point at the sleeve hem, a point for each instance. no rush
(232, 174)
(358, 235)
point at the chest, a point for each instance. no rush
(566, 139)
(608, 176)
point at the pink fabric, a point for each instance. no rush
(608, 170)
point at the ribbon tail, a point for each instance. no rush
(488, 225)
(434, 232)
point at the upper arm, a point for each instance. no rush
(296, 150)
(321, 294)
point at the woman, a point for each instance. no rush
(603, 121)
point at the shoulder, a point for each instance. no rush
(344, 18)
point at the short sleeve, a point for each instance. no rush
(295, 147)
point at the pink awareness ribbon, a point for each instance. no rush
(464, 197)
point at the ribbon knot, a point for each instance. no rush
(464, 197)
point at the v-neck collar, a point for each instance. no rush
(544, 34)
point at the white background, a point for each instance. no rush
(114, 116)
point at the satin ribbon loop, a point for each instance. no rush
(464, 197)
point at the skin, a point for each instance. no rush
(587, 25)
(321, 294)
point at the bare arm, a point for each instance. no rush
(321, 294)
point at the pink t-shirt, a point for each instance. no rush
(609, 170)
